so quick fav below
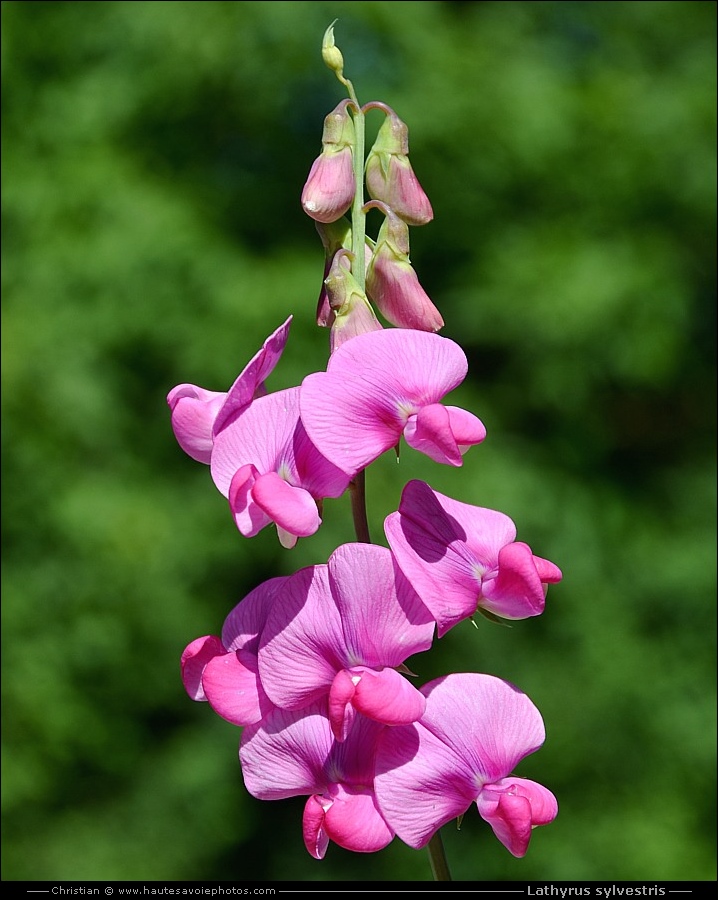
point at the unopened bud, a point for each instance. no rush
(331, 54)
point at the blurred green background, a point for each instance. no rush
(153, 158)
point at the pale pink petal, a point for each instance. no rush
(358, 408)
(194, 660)
(231, 683)
(292, 508)
(386, 696)
(513, 807)
(250, 383)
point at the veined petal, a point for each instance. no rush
(341, 694)
(292, 508)
(370, 590)
(358, 408)
(302, 646)
(420, 783)
(245, 622)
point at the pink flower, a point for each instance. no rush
(293, 753)
(224, 671)
(383, 384)
(198, 414)
(352, 313)
(330, 186)
(460, 557)
(270, 471)
(341, 631)
(475, 730)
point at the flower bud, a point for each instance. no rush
(331, 54)
(352, 311)
(391, 282)
(335, 236)
(389, 175)
(329, 188)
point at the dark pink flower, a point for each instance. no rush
(270, 471)
(460, 557)
(341, 631)
(475, 730)
(293, 753)
(381, 385)
(198, 414)
(224, 671)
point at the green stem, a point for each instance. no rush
(437, 858)
(358, 215)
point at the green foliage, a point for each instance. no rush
(153, 159)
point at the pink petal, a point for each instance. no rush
(429, 432)
(315, 837)
(368, 588)
(516, 591)
(194, 410)
(232, 686)
(467, 429)
(353, 821)
(341, 694)
(194, 660)
(513, 807)
(248, 516)
(302, 646)
(420, 783)
(358, 408)
(245, 622)
(292, 508)
(250, 383)
(386, 696)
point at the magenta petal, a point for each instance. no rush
(513, 807)
(250, 383)
(292, 508)
(315, 837)
(429, 431)
(232, 686)
(341, 694)
(358, 408)
(420, 783)
(249, 517)
(467, 429)
(516, 592)
(353, 821)
(194, 410)
(386, 696)
(194, 660)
